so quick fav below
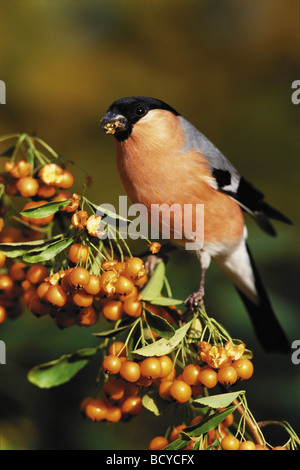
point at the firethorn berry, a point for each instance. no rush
(112, 364)
(113, 414)
(28, 186)
(158, 443)
(230, 443)
(180, 391)
(279, 448)
(118, 348)
(191, 374)
(112, 310)
(66, 180)
(19, 170)
(46, 191)
(132, 307)
(130, 371)
(132, 405)
(96, 409)
(227, 375)
(56, 295)
(114, 389)
(79, 219)
(42, 290)
(166, 365)
(244, 368)
(150, 367)
(208, 377)
(133, 266)
(123, 285)
(175, 433)
(87, 316)
(261, 447)
(3, 314)
(247, 445)
(2, 259)
(79, 277)
(154, 247)
(37, 273)
(164, 389)
(93, 287)
(109, 264)
(6, 283)
(17, 271)
(84, 403)
(78, 253)
(81, 298)
(108, 282)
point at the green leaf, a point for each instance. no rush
(37, 256)
(45, 210)
(16, 249)
(163, 346)
(158, 324)
(154, 403)
(177, 444)
(106, 211)
(59, 371)
(209, 423)
(165, 301)
(155, 283)
(219, 401)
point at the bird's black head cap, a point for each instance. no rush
(125, 112)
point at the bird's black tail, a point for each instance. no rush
(266, 326)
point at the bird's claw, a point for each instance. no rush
(195, 300)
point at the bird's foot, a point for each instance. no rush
(195, 300)
(151, 262)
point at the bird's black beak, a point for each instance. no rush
(113, 122)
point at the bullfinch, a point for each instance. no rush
(164, 160)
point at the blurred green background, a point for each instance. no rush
(227, 66)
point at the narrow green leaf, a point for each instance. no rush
(165, 301)
(37, 256)
(16, 249)
(176, 445)
(59, 371)
(158, 324)
(45, 210)
(154, 403)
(163, 346)
(219, 401)
(209, 423)
(155, 284)
(113, 332)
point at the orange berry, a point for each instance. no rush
(191, 374)
(114, 389)
(244, 368)
(158, 443)
(57, 296)
(180, 391)
(78, 253)
(79, 219)
(46, 191)
(132, 307)
(150, 367)
(87, 316)
(166, 365)
(93, 287)
(112, 310)
(113, 414)
(66, 180)
(118, 348)
(175, 433)
(227, 375)
(112, 364)
(132, 405)
(81, 298)
(28, 186)
(2, 259)
(208, 377)
(247, 445)
(37, 273)
(123, 285)
(96, 409)
(3, 314)
(79, 277)
(130, 371)
(230, 443)
(164, 389)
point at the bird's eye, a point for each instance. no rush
(140, 111)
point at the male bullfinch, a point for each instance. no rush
(163, 159)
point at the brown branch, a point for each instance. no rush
(252, 426)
